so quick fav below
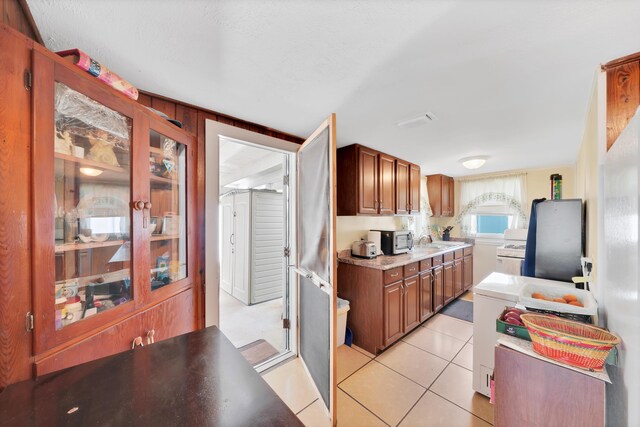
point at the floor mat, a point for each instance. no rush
(460, 309)
(258, 352)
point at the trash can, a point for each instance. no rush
(343, 308)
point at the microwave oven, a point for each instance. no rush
(392, 242)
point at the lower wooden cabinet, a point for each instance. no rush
(457, 277)
(412, 306)
(535, 392)
(449, 291)
(438, 288)
(387, 304)
(467, 269)
(172, 317)
(426, 295)
(393, 312)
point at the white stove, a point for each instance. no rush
(509, 257)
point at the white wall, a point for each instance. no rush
(351, 228)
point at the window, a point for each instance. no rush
(492, 224)
(491, 205)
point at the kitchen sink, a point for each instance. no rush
(441, 245)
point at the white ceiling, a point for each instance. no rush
(508, 79)
(244, 166)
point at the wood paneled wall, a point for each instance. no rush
(16, 14)
(623, 94)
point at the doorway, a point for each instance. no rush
(249, 291)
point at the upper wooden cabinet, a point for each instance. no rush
(374, 183)
(441, 195)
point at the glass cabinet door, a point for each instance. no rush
(83, 274)
(167, 222)
(91, 215)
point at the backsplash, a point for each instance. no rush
(351, 228)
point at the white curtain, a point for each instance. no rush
(506, 194)
(420, 225)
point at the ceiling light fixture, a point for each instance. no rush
(91, 171)
(418, 120)
(473, 162)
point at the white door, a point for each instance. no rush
(316, 259)
(227, 255)
(242, 245)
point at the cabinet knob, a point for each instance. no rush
(147, 205)
(138, 205)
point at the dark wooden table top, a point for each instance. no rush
(196, 379)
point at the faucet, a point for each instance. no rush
(425, 239)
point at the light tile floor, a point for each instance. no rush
(422, 380)
(244, 324)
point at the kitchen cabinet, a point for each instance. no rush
(426, 295)
(373, 183)
(412, 305)
(113, 224)
(467, 269)
(458, 277)
(438, 288)
(516, 372)
(449, 290)
(393, 312)
(441, 195)
(387, 184)
(386, 304)
(403, 189)
(414, 188)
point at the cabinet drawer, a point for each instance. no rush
(411, 269)
(468, 250)
(448, 257)
(459, 253)
(392, 275)
(172, 317)
(426, 264)
(436, 261)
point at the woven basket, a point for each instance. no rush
(576, 344)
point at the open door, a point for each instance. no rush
(316, 259)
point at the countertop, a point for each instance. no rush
(387, 262)
(197, 379)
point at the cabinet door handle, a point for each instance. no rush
(401, 290)
(232, 239)
(150, 336)
(137, 342)
(394, 274)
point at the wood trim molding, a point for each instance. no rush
(147, 98)
(634, 57)
(29, 17)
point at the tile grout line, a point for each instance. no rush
(365, 408)
(300, 411)
(432, 391)
(442, 397)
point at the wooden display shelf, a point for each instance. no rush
(90, 163)
(64, 247)
(160, 237)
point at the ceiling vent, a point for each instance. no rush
(418, 120)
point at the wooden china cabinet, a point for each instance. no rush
(113, 190)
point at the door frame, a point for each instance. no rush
(213, 132)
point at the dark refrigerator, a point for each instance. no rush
(559, 239)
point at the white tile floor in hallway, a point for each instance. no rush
(244, 324)
(423, 380)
